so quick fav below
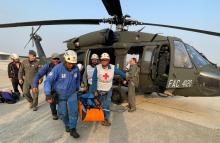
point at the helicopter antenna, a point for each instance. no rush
(155, 36)
(141, 29)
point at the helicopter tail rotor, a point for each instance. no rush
(32, 36)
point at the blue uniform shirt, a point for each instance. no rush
(42, 72)
(64, 82)
(94, 77)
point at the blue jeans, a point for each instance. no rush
(105, 102)
(68, 109)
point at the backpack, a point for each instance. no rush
(9, 97)
(2, 100)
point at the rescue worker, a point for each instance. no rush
(45, 70)
(132, 76)
(102, 84)
(27, 71)
(13, 68)
(65, 80)
(88, 73)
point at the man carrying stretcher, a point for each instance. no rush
(102, 84)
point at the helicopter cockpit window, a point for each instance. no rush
(181, 57)
(197, 58)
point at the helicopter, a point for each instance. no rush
(168, 65)
(36, 42)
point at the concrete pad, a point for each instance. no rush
(157, 120)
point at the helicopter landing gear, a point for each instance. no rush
(162, 94)
(116, 96)
(167, 93)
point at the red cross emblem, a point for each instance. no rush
(106, 76)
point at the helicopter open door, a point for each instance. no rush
(146, 83)
(99, 52)
(182, 71)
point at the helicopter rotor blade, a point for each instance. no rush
(32, 34)
(54, 22)
(113, 7)
(36, 30)
(182, 28)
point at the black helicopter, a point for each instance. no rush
(168, 65)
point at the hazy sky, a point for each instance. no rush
(201, 14)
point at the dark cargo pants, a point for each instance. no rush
(53, 105)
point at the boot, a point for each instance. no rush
(67, 129)
(35, 108)
(106, 123)
(31, 105)
(55, 117)
(74, 133)
(131, 109)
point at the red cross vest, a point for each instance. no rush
(105, 77)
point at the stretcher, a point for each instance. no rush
(88, 109)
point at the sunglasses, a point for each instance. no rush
(56, 59)
(105, 60)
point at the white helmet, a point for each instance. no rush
(94, 56)
(14, 56)
(105, 56)
(70, 56)
(80, 66)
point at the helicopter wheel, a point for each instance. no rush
(162, 94)
(116, 96)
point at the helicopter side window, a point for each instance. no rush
(148, 55)
(80, 57)
(134, 52)
(197, 58)
(181, 57)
